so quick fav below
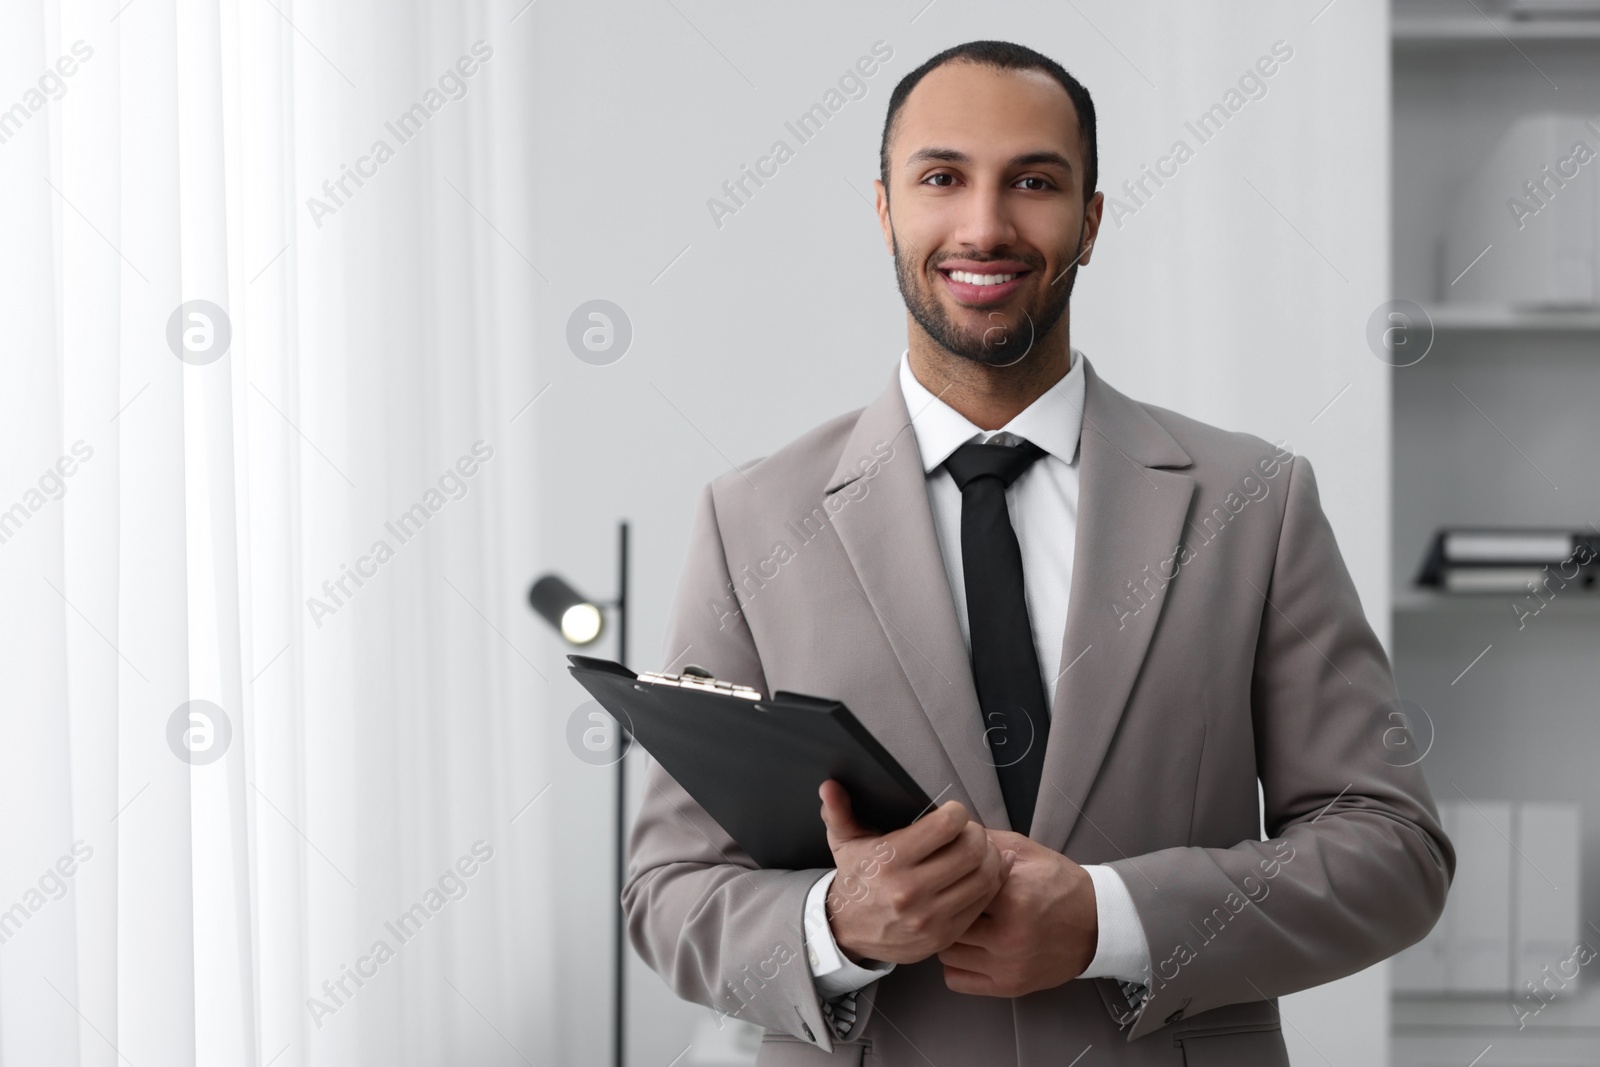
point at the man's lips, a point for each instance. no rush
(970, 293)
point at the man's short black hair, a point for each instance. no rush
(1001, 55)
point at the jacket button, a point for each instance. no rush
(1174, 1017)
(807, 1029)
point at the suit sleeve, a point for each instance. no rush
(721, 931)
(1356, 866)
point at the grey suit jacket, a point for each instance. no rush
(1214, 638)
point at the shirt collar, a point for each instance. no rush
(1054, 421)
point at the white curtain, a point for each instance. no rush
(262, 640)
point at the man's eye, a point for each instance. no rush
(933, 177)
(1043, 185)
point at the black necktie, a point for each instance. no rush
(1005, 666)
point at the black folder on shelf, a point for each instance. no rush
(1508, 559)
(754, 763)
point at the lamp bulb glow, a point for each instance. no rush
(580, 623)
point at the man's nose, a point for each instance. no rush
(985, 217)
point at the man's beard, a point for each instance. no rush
(994, 345)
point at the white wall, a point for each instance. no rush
(1238, 293)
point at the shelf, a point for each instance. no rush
(1578, 1009)
(1472, 28)
(1412, 601)
(1490, 318)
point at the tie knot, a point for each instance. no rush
(1005, 462)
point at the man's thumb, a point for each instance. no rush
(837, 814)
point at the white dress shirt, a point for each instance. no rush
(1043, 502)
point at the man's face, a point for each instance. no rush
(986, 172)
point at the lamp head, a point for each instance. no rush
(577, 618)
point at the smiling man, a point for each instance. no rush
(1051, 604)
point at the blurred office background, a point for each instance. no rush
(241, 745)
(1496, 239)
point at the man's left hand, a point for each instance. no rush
(1039, 932)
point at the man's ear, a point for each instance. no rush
(1091, 225)
(885, 223)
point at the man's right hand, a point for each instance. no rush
(905, 896)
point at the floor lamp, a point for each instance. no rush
(581, 621)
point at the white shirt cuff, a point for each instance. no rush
(834, 973)
(1122, 952)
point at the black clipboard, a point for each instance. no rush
(754, 763)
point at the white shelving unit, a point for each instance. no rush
(1459, 318)
(1426, 603)
(1447, 23)
(1499, 425)
(1455, 28)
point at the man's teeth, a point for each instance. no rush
(980, 279)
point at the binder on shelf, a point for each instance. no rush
(1508, 559)
(754, 763)
(1512, 916)
(1478, 909)
(1545, 884)
(1544, 227)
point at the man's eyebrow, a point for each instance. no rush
(937, 154)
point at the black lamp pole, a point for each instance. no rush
(552, 597)
(620, 962)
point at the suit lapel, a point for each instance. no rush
(889, 536)
(1130, 516)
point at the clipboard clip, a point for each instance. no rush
(694, 677)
